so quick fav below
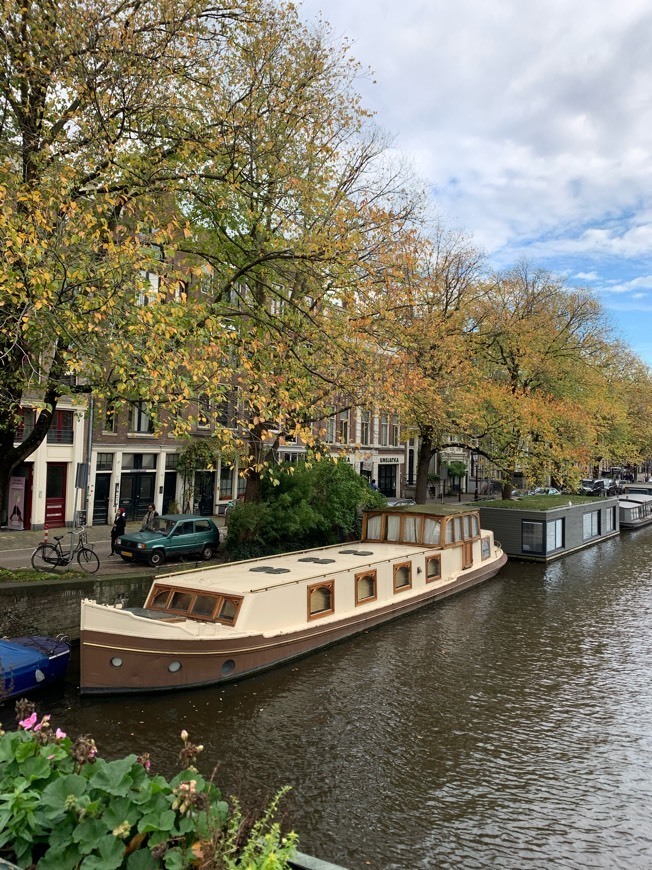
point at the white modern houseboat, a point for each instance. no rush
(634, 510)
(224, 622)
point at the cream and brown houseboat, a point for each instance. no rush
(227, 621)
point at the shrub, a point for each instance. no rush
(63, 807)
(310, 505)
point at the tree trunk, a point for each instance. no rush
(423, 464)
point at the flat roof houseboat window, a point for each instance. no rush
(365, 587)
(180, 601)
(159, 598)
(402, 576)
(374, 527)
(433, 568)
(410, 529)
(204, 605)
(229, 610)
(321, 599)
(431, 532)
(393, 528)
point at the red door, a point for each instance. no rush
(55, 495)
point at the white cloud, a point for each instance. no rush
(531, 121)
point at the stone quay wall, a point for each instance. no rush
(53, 607)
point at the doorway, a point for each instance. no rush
(101, 499)
(136, 492)
(55, 495)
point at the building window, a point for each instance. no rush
(171, 461)
(110, 418)
(104, 462)
(365, 428)
(139, 419)
(26, 425)
(395, 432)
(384, 430)
(555, 535)
(321, 599)
(532, 536)
(402, 576)
(343, 427)
(433, 569)
(365, 587)
(61, 428)
(329, 435)
(203, 413)
(591, 525)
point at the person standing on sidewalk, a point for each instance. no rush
(150, 522)
(118, 528)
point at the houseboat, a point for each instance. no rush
(634, 510)
(221, 623)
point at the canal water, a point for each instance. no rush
(508, 727)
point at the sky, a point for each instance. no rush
(530, 122)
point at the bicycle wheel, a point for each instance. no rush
(88, 560)
(45, 557)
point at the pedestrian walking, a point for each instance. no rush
(118, 528)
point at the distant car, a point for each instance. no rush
(592, 487)
(610, 486)
(178, 535)
(399, 502)
(545, 490)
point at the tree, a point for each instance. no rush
(544, 351)
(101, 119)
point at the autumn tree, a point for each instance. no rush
(543, 349)
(101, 117)
(283, 237)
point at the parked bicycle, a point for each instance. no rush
(47, 555)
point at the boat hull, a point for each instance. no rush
(148, 665)
(29, 663)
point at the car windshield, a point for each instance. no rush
(167, 527)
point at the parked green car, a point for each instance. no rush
(178, 535)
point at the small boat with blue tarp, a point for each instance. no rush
(31, 662)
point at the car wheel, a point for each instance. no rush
(207, 553)
(156, 558)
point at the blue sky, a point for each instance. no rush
(531, 123)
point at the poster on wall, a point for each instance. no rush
(16, 503)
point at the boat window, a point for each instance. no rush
(433, 568)
(159, 599)
(393, 528)
(475, 525)
(431, 532)
(374, 526)
(321, 599)
(402, 576)
(180, 601)
(468, 533)
(365, 587)
(449, 531)
(229, 610)
(410, 530)
(204, 605)
(459, 533)
(486, 548)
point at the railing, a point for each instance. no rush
(60, 436)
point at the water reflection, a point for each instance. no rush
(508, 727)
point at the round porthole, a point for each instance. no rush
(116, 661)
(228, 667)
(173, 667)
(40, 676)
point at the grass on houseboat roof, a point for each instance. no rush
(539, 502)
(433, 509)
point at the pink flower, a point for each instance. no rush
(29, 722)
(44, 723)
(59, 734)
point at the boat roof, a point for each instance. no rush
(635, 497)
(431, 509)
(257, 575)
